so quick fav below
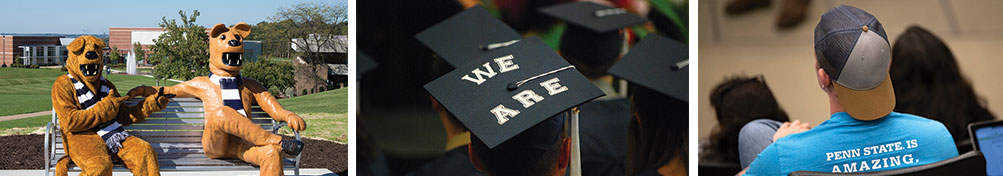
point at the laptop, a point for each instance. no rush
(987, 137)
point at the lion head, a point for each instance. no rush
(85, 58)
(226, 48)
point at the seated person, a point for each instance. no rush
(929, 83)
(738, 101)
(863, 133)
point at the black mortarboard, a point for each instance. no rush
(592, 40)
(467, 36)
(592, 16)
(659, 64)
(364, 64)
(507, 91)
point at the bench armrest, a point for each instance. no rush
(275, 129)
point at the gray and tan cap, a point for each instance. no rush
(852, 47)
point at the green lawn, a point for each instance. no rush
(25, 125)
(28, 90)
(325, 113)
(333, 101)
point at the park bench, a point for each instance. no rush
(176, 135)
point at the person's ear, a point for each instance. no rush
(823, 80)
(564, 159)
(217, 29)
(474, 159)
(242, 29)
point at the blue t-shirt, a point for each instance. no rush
(844, 144)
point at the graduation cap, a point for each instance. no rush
(592, 38)
(507, 91)
(659, 64)
(467, 36)
(594, 17)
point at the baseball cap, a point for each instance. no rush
(853, 49)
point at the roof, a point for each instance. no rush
(338, 45)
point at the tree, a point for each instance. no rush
(181, 52)
(137, 50)
(273, 39)
(114, 56)
(315, 24)
(274, 75)
(316, 27)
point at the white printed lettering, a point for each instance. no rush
(553, 86)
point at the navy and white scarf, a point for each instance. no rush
(229, 88)
(111, 131)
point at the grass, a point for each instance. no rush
(333, 101)
(28, 90)
(24, 126)
(325, 113)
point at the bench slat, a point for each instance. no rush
(255, 115)
(176, 115)
(176, 145)
(176, 127)
(161, 140)
(187, 110)
(192, 121)
(150, 134)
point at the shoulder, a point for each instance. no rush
(915, 121)
(766, 163)
(62, 83)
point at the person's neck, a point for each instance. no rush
(834, 106)
(456, 138)
(674, 167)
(605, 84)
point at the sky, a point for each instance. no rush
(95, 17)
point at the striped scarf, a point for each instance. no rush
(111, 131)
(229, 88)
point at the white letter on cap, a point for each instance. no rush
(477, 72)
(553, 86)
(505, 63)
(527, 98)
(503, 114)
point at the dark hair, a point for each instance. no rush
(929, 83)
(513, 157)
(658, 130)
(737, 101)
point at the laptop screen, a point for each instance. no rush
(990, 141)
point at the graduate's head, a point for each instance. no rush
(658, 72)
(592, 53)
(85, 59)
(594, 38)
(853, 57)
(543, 150)
(516, 117)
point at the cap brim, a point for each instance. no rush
(867, 104)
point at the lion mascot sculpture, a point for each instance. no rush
(227, 98)
(91, 116)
